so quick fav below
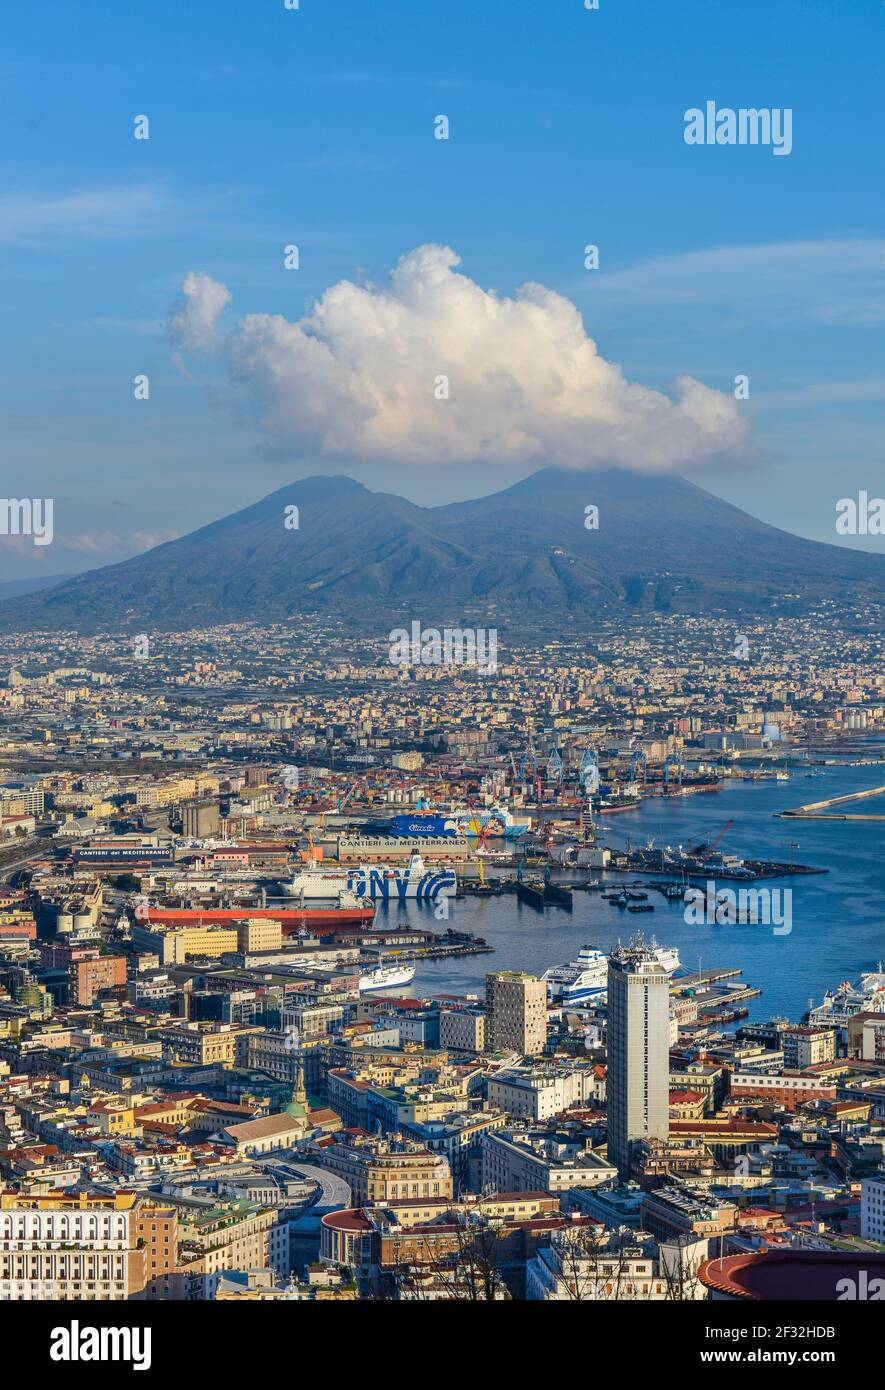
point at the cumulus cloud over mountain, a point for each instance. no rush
(193, 322)
(360, 377)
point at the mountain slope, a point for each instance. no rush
(662, 543)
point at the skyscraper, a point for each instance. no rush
(516, 1005)
(638, 1051)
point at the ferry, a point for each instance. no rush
(383, 881)
(586, 977)
(583, 979)
(387, 977)
(841, 1004)
(392, 882)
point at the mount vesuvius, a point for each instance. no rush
(662, 544)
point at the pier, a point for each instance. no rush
(715, 997)
(821, 810)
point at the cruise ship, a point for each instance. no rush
(586, 978)
(382, 881)
(841, 1004)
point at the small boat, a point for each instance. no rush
(672, 891)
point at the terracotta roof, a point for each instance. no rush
(267, 1126)
(804, 1275)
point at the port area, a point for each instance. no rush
(751, 869)
(443, 946)
(719, 994)
(821, 810)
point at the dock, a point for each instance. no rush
(715, 998)
(822, 810)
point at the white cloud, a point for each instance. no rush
(354, 379)
(115, 543)
(194, 322)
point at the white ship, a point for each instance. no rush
(394, 882)
(387, 977)
(317, 883)
(581, 980)
(586, 978)
(841, 1004)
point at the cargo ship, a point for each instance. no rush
(291, 920)
(625, 798)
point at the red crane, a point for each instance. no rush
(721, 836)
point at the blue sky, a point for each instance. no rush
(315, 127)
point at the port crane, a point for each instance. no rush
(668, 763)
(705, 850)
(589, 772)
(343, 800)
(479, 850)
(638, 758)
(554, 766)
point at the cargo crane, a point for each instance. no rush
(703, 851)
(589, 772)
(637, 757)
(667, 765)
(343, 800)
(481, 836)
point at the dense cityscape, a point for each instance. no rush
(442, 682)
(215, 1080)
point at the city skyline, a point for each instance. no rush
(442, 696)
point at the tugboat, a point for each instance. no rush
(673, 891)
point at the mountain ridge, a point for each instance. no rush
(662, 544)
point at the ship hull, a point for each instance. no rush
(292, 920)
(386, 979)
(393, 885)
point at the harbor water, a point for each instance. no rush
(838, 918)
